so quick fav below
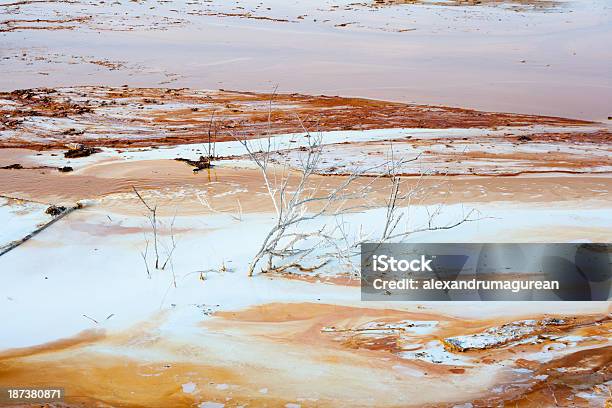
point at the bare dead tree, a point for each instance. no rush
(152, 216)
(395, 225)
(156, 224)
(298, 202)
(400, 199)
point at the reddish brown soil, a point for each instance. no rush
(218, 116)
(292, 331)
(585, 369)
(50, 185)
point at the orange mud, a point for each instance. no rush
(587, 370)
(271, 342)
(102, 380)
(233, 185)
(85, 338)
(218, 116)
(586, 325)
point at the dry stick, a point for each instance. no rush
(300, 267)
(173, 243)
(173, 273)
(144, 257)
(93, 320)
(153, 221)
(37, 231)
(211, 153)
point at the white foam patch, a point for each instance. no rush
(188, 388)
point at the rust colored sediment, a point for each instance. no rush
(159, 116)
(292, 331)
(82, 339)
(559, 380)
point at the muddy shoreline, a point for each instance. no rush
(144, 117)
(286, 329)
